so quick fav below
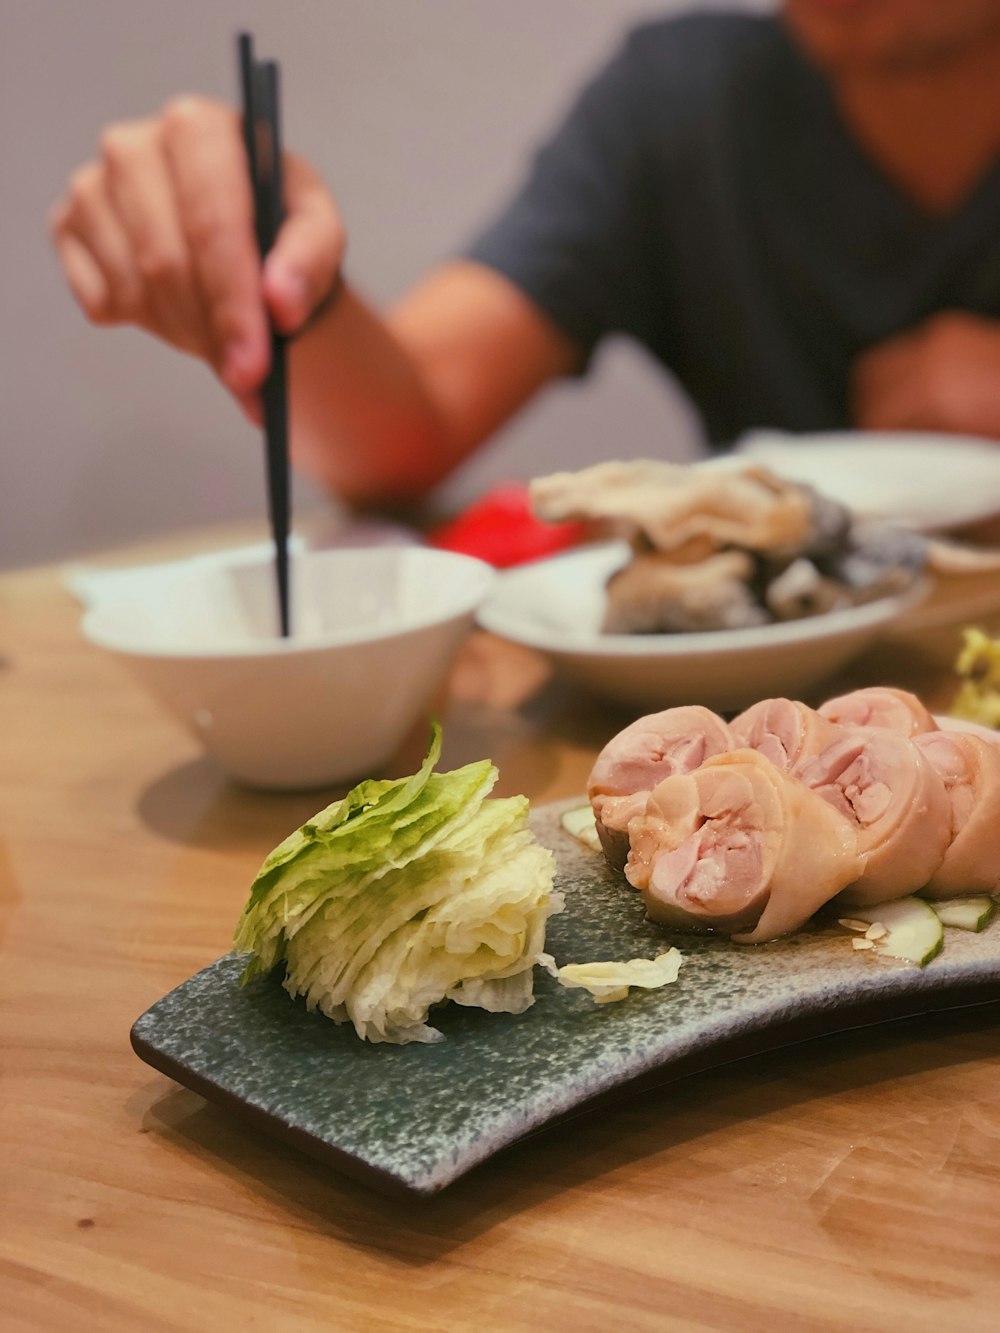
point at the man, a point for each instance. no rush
(799, 216)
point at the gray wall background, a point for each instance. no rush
(420, 114)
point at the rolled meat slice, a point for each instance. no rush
(785, 730)
(889, 789)
(739, 847)
(880, 706)
(970, 768)
(641, 755)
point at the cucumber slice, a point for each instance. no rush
(973, 913)
(914, 931)
(581, 824)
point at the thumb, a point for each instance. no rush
(303, 265)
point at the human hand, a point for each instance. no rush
(158, 232)
(943, 375)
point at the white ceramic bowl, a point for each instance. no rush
(556, 606)
(374, 634)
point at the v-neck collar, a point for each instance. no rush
(833, 140)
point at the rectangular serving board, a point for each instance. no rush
(413, 1119)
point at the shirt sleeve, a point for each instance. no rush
(573, 238)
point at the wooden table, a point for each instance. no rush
(852, 1182)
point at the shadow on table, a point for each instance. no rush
(541, 738)
(672, 1129)
(198, 805)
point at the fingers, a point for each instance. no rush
(95, 251)
(159, 232)
(882, 390)
(253, 407)
(84, 276)
(940, 376)
(121, 243)
(302, 267)
(142, 195)
(207, 162)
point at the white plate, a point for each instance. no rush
(556, 606)
(929, 482)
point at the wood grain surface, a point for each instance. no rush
(848, 1183)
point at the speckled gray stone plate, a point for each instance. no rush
(415, 1118)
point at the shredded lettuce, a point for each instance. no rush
(609, 982)
(402, 895)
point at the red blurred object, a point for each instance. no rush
(501, 529)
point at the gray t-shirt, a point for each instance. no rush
(705, 197)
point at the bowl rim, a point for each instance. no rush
(252, 648)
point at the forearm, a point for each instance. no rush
(383, 408)
(364, 422)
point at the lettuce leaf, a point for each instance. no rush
(402, 895)
(609, 982)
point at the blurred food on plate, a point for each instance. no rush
(726, 548)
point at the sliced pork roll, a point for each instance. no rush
(970, 768)
(641, 755)
(738, 846)
(889, 789)
(880, 706)
(786, 731)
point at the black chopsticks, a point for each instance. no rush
(262, 136)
